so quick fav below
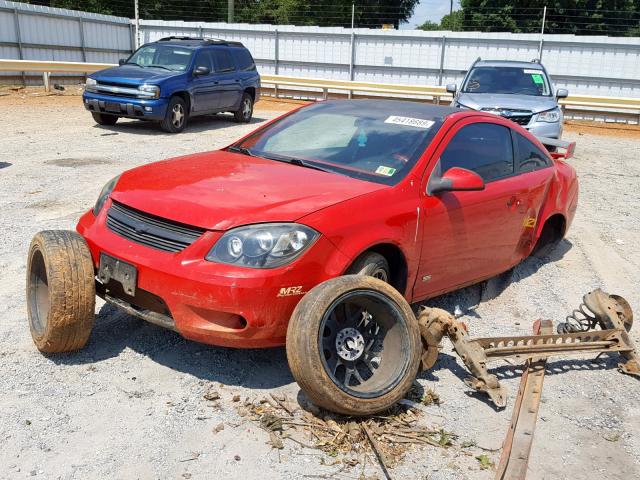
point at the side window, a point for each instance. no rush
(203, 59)
(244, 59)
(223, 61)
(529, 157)
(484, 148)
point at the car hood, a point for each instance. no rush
(220, 190)
(132, 75)
(478, 101)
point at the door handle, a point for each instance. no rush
(216, 82)
(237, 79)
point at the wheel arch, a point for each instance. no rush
(251, 91)
(395, 258)
(186, 96)
(556, 223)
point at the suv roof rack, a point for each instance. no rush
(201, 40)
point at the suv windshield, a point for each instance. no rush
(510, 80)
(162, 56)
(376, 141)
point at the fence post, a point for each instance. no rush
(82, 44)
(443, 45)
(132, 38)
(276, 57)
(352, 56)
(16, 20)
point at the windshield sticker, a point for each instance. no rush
(409, 122)
(386, 171)
(537, 78)
(530, 70)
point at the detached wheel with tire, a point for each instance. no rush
(353, 345)
(60, 291)
(104, 119)
(246, 109)
(175, 120)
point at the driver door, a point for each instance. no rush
(471, 235)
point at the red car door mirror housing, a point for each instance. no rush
(455, 179)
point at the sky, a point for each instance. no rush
(432, 10)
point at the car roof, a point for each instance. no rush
(427, 111)
(509, 63)
(197, 42)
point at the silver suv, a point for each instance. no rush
(519, 91)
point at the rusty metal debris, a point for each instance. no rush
(611, 313)
(517, 444)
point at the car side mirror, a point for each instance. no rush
(122, 61)
(452, 88)
(562, 93)
(201, 70)
(454, 180)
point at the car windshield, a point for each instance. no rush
(509, 80)
(378, 141)
(162, 56)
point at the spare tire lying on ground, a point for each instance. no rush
(353, 345)
(61, 293)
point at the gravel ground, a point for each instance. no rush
(130, 404)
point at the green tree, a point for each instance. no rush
(580, 17)
(368, 13)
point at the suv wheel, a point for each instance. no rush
(102, 119)
(246, 109)
(175, 120)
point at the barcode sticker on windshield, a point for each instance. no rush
(409, 121)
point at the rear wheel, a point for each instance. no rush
(246, 109)
(104, 119)
(175, 120)
(353, 345)
(60, 291)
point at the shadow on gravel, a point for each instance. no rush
(204, 123)
(115, 331)
(5, 165)
(466, 300)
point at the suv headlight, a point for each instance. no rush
(90, 85)
(551, 116)
(265, 245)
(149, 91)
(104, 194)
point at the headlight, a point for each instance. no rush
(266, 245)
(551, 116)
(90, 84)
(149, 91)
(104, 194)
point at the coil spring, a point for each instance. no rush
(580, 320)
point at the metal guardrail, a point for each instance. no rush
(321, 87)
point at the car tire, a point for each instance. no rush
(314, 344)
(60, 291)
(103, 119)
(371, 264)
(175, 120)
(244, 114)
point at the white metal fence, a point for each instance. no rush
(606, 66)
(584, 65)
(32, 32)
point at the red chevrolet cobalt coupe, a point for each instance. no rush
(221, 246)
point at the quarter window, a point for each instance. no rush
(529, 157)
(244, 59)
(484, 148)
(223, 61)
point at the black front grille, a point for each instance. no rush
(150, 230)
(521, 117)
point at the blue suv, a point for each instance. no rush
(174, 79)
